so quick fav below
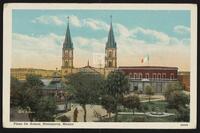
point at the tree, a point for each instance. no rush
(29, 97)
(45, 109)
(14, 92)
(117, 86)
(31, 94)
(171, 88)
(34, 81)
(183, 114)
(86, 88)
(178, 99)
(108, 103)
(132, 102)
(149, 91)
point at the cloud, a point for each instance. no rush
(130, 52)
(149, 35)
(36, 51)
(180, 29)
(122, 30)
(48, 20)
(75, 21)
(142, 35)
(45, 51)
(95, 24)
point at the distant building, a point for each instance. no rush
(21, 73)
(184, 78)
(156, 76)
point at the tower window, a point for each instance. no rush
(110, 54)
(66, 63)
(110, 64)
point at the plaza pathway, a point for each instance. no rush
(92, 110)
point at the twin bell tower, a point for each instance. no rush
(68, 53)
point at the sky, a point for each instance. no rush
(163, 35)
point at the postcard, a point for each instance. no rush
(119, 66)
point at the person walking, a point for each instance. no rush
(75, 114)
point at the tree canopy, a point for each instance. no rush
(149, 91)
(178, 99)
(171, 88)
(29, 97)
(132, 102)
(86, 88)
(116, 86)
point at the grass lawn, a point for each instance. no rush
(151, 106)
(155, 104)
(143, 118)
(161, 105)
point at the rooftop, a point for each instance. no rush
(147, 67)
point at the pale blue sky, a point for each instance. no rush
(138, 31)
(163, 21)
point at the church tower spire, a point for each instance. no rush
(67, 51)
(68, 41)
(111, 49)
(111, 39)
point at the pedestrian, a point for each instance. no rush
(75, 114)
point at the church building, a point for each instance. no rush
(68, 68)
(139, 76)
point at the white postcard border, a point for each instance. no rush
(7, 41)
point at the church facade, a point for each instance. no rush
(68, 67)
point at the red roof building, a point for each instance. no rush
(151, 72)
(156, 76)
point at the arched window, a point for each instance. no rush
(140, 75)
(66, 63)
(159, 76)
(135, 76)
(110, 54)
(163, 75)
(130, 75)
(147, 75)
(171, 75)
(154, 76)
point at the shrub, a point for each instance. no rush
(64, 118)
(139, 119)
